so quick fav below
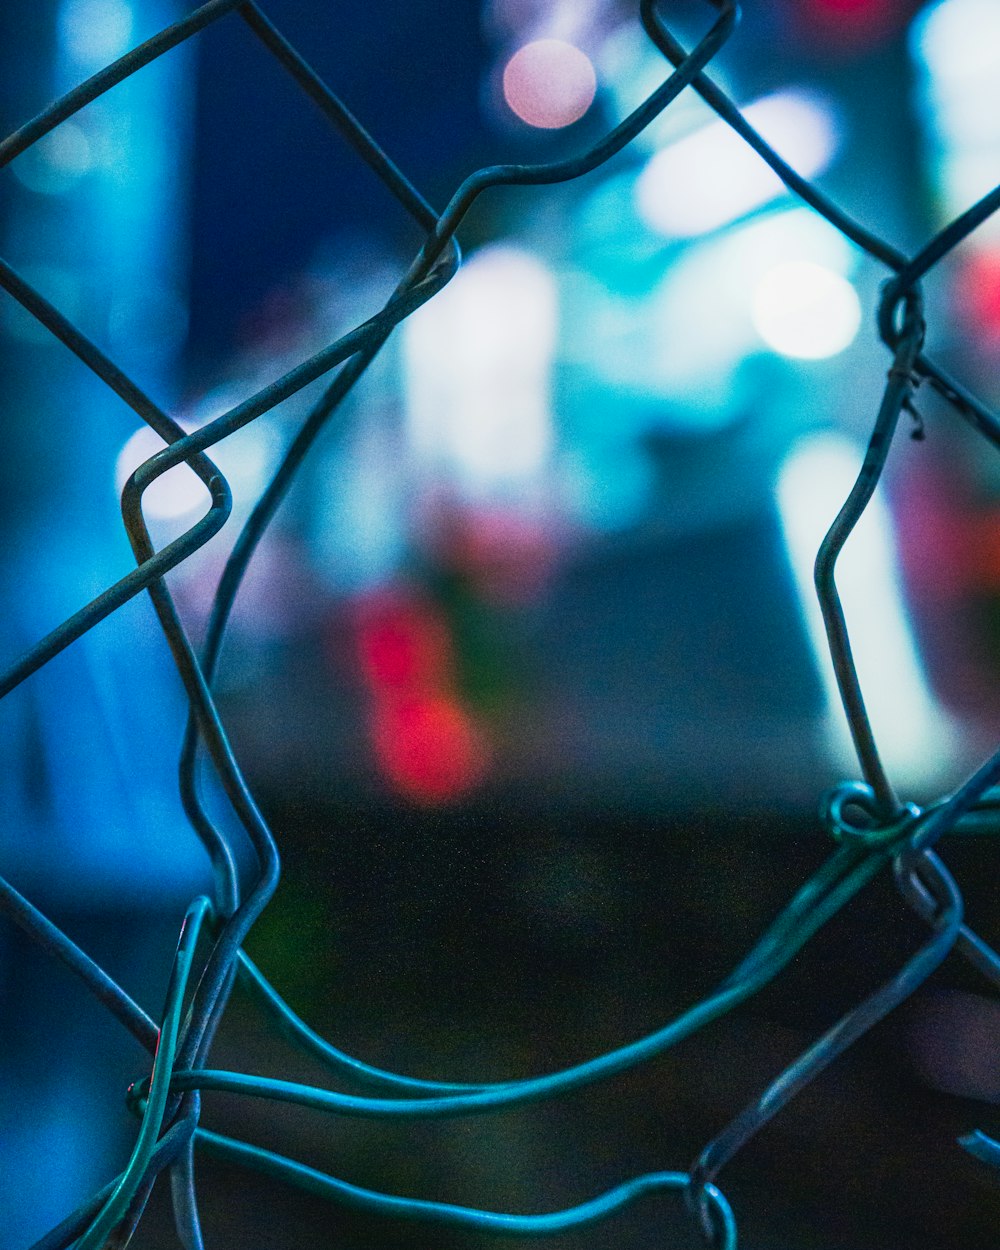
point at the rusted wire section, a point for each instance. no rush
(876, 830)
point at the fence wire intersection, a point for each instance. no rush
(875, 830)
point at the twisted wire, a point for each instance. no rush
(889, 835)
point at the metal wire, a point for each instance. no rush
(887, 833)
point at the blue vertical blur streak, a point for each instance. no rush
(96, 218)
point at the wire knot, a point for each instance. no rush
(904, 334)
(872, 830)
(710, 1211)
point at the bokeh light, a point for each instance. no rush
(674, 354)
(403, 646)
(549, 83)
(94, 32)
(175, 494)
(478, 359)
(851, 21)
(977, 294)
(805, 310)
(711, 177)
(957, 40)
(56, 161)
(916, 737)
(428, 748)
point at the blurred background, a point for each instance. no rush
(528, 672)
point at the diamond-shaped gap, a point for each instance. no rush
(307, 120)
(69, 430)
(269, 202)
(84, 236)
(96, 106)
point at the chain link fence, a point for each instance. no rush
(875, 830)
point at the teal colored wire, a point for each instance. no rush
(599, 1208)
(825, 893)
(752, 975)
(835, 883)
(849, 869)
(152, 1120)
(308, 1040)
(947, 923)
(846, 872)
(51, 938)
(477, 1100)
(425, 276)
(837, 869)
(982, 1147)
(167, 1149)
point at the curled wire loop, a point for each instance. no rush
(873, 828)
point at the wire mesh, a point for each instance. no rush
(876, 830)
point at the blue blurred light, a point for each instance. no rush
(672, 353)
(712, 177)
(956, 44)
(958, 41)
(806, 311)
(93, 33)
(478, 360)
(57, 161)
(358, 535)
(916, 737)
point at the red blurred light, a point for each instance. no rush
(507, 558)
(428, 747)
(853, 7)
(402, 644)
(977, 295)
(849, 21)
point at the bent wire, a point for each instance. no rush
(163, 1060)
(890, 831)
(964, 402)
(896, 393)
(469, 1217)
(847, 1030)
(406, 298)
(755, 972)
(164, 1152)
